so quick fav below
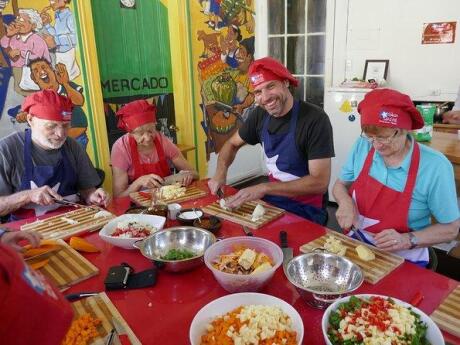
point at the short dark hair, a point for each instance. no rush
(248, 44)
(38, 60)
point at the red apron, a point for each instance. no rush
(32, 310)
(160, 168)
(377, 201)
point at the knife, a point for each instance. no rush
(358, 234)
(247, 231)
(220, 193)
(121, 332)
(78, 295)
(172, 179)
(287, 251)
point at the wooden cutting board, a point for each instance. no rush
(243, 215)
(66, 267)
(56, 227)
(374, 270)
(101, 307)
(447, 314)
(145, 198)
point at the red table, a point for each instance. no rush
(163, 314)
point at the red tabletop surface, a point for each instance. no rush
(163, 314)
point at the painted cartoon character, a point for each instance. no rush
(22, 43)
(62, 35)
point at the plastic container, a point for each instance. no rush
(239, 282)
(426, 132)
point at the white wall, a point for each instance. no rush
(392, 29)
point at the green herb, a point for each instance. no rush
(178, 254)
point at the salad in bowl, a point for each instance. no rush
(377, 320)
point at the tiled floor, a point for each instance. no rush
(447, 265)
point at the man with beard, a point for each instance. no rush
(297, 140)
(42, 164)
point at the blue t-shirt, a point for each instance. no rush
(434, 192)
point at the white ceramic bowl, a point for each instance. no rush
(127, 243)
(433, 334)
(243, 282)
(227, 303)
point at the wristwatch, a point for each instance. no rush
(413, 240)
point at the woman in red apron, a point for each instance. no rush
(391, 185)
(143, 157)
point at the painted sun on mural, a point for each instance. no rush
(226, 35)
(38, 52)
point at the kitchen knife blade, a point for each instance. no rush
(287, 251)
(247, 231)
(121, 332)
(172, 179)
(78, 295)
(220, 193)
(358, 234)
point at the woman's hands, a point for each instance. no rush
(347, 214)
(391, 240)
(148, 181)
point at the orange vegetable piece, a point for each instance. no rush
(46, 246)
(83, 245)
(39, 264)
(82, 330)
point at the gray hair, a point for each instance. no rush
(34, 17)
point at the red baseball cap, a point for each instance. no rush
(389, 108)
(267, 69)
(48, 105)
(135, 114)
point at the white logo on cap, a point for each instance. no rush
(388, 118)
(257, 78)
(66, 115)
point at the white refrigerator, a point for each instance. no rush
(341, 104)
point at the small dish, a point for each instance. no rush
(210, 223)
(188, 215)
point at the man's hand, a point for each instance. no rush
(12, 238)
(246, 194)
(62, 76)
(215, 183)
(452, 117)
(99, 197)
(43, 195)
(347, 215)
(149, 181)
(391, 240)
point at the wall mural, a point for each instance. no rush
(225, 40)
(134, 57)
(39, 51)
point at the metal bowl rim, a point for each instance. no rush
(288, 276)
(177, 228)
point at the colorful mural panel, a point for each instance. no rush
(223, 48)
(39, 51)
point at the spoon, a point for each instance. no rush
(196, 214)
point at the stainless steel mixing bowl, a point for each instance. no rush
(321, 278)
(190, 238)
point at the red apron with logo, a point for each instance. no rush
(32, 310)
(379, 202)
(160, 168)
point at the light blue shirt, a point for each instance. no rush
(434, 192)
(63, 30)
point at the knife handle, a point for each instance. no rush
(124, 339)
(75, 296)
(283, 239)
